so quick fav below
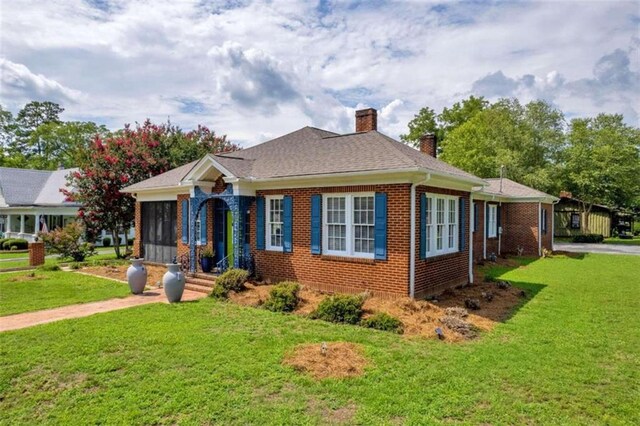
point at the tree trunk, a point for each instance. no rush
(586, 209)
(116, 242)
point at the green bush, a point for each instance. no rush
(283, 297)
(18, 243)
(2, 240)
(587, 238)
(340, 308)
(233, 279)
(220, 292)
(106, 242)
(68, 242)
(383, 321)
(49, 268)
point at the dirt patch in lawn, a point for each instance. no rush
(28, 276)
(422, 317)
(119, 272)
(328, 360)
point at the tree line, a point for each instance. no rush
(597, 159)
(107, 161)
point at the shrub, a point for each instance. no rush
(340, 308)
(283, 297)
(2, 240)
(383, 321)
(220, 292)
(18, 243)
(49, 268)
(587, 238)
(106, 242)
(233, 279)
(68, 242)
(14, 248)
(130, 241)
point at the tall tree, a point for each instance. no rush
(425, 121)
(127, 157)
(29, 118)
(602, 162)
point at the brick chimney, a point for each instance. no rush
(429, 144)
(366, 120)
(566, 194)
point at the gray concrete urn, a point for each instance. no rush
(137, 276)
(173, 282)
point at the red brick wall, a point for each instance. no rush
(388, 277)
(548, 237)
(438, 273)
(520, 228)
(137, 224)
(182, 247)
(478, 235)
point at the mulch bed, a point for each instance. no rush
(328, 360)
(420, 317)
(119, 272)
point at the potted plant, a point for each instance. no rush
(206, 259)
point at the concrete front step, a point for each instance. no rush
(198, 288)
(201, 282)
(201, 275)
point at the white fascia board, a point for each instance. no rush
(46, 210)
(203, 166)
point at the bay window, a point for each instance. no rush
(441, 223)
(348, 225)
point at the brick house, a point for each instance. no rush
(349, 212)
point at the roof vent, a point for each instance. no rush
(366, 120)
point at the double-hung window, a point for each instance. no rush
(575, 220)
(492, 228)
(441, 233)
(274, 223)
(348, 225)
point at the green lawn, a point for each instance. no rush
(614, 240)
(568, 356)
(19, 292)
(54, 260)
(12, 255)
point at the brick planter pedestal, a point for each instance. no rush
(36, 254)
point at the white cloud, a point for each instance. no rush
(259, 69)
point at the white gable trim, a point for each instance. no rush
(201, 168)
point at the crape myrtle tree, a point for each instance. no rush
(127, 157)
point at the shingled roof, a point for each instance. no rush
(26, 187)
(310, 151)
(512, 189)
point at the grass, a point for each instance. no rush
(53, 261)
(567, 356)
(615, 240)
(12, 255)
(20, 292)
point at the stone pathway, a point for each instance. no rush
(29, 319)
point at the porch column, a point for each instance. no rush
(22, 224)
(36, 226)
(7, 226)
(194, 204)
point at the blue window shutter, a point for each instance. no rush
(380, 228)
(476, 218)
(203, 223)
(260, 223)
(287, 219)
(463, 225)
(486, 218)
(185, 221)
(423, 226)
(544, 221)
(316, 224)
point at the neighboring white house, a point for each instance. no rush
(30, 200)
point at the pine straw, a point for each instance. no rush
(341, 360)
(119, 272)
(419, 317)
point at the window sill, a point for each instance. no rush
(334, 258)
(443, 256)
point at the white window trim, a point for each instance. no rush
(492, 229)
(350, 235)
(433, 251)
(268, 222)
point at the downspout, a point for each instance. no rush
(472, 218)
(499, 230)
(412, 237)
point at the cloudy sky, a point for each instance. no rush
(255, 70)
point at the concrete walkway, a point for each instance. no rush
(597, 248)
(29, 319)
